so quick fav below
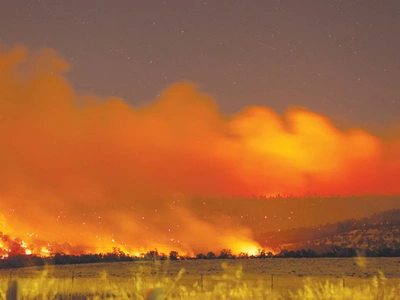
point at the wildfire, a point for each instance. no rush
(248, 248)
(94, 174)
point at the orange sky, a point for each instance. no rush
(72, 164)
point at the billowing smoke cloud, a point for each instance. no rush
(97, 173)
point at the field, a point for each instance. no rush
(273, 278)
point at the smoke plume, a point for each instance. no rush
(87, 174)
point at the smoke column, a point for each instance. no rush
(83, 174)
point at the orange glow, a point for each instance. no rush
(250, 248)
(81, 174)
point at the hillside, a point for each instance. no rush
(374, 233)
(272, 214)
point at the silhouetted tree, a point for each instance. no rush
(173, 255)
(151, 255)
(283, 253)
(162, 256)
(226, 253)
(261, 253)
(211, 255)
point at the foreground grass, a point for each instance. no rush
(232, 283)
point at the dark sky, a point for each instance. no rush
(338, 58)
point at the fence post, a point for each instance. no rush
(13, 292)
(136, 283)
(73, 275)
(344, 282)
(272, 282)
(9, 283)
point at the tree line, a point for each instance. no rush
(20, 260)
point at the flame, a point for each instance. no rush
(81, 174)
(250, 248)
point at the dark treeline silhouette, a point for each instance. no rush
(20, 260)
(338, 251)
(383, 242)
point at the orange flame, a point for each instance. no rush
(91, 174)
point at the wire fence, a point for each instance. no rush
(203, 282)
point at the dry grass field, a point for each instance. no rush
(275, 278)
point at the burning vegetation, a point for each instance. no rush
(81, 174)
